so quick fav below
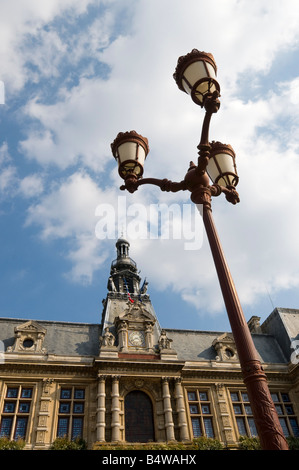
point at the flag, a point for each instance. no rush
(127, 289)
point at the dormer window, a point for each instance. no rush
(29, 338)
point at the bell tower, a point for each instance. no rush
(123, 278)
(129, 323)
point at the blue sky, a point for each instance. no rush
(77, 72)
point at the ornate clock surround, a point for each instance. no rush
(134, 329)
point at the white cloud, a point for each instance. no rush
(246, 37)
(31, 185)
(67, 212)
(20, 20)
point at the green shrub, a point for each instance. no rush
(6, 444)
(293, 443)
(201, 443)
(63, 443)
(249, 443)
(207, 443)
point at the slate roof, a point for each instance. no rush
(197, 346)
(82, 339)
(62, 338)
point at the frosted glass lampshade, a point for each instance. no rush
(222, 165)
(196, 75)
(130, 150)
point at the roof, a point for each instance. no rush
(273, 344)
(62, 338)
(192, 345)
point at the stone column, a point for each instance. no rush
(115, 423)
(101, 409)
(169, 426)
(180, 406)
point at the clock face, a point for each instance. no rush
(136, 338)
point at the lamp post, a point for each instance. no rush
(195, 74)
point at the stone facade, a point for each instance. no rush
(126, 379)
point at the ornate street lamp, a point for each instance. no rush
(195, 74)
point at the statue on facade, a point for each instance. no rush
(108, 338)
(164, 342)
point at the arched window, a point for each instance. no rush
(139, 422)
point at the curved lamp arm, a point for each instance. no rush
(132, 184)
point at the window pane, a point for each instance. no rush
(9, 407)
(208, 427)
(66, 393)
(77, 427)
(191, 396)
(252, 427)
(26, 393)
(78, 408)
(274, 397)
(79, 393)
(20, 429)
(279, 409)
(241, 427)
(24, 407)
(12, 392)
(63, 426)
(248, 409)
(285, 397)
(289, 409)
(237, 409)
(205, 409)
(64, 407)
(196, 427)
(203, 396)
(284, 427)
(294, 425)
(234, 396)
(5, 429)
(193, 409)
(244, 396)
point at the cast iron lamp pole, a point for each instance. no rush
(196, 75)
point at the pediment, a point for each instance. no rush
(30, 326)
(136, 312)
(224, 338)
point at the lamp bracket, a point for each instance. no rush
(196, 181)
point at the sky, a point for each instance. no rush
(75, 73)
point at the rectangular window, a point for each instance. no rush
(71, 412)
(77, 427)
(5, 428)
(16, 412)
(63, 426)
(244, 417)
(200, 413)
(20, 429)
(241, 426)
(196, 427)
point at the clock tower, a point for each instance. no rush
(130, 327)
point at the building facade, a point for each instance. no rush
(127, 379)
